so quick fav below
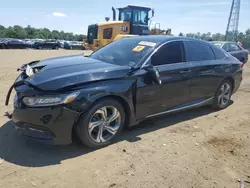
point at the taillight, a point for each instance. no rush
(241, 65)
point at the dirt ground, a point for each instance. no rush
(196, 148)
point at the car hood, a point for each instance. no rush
(58, 73)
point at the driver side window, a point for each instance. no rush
(169, 54)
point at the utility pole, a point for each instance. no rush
(233, 21)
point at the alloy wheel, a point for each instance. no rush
(104, 124)
(224, 94)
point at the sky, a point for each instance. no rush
(75, 15)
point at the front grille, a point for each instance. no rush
(92, 33)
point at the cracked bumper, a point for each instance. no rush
(46, 125)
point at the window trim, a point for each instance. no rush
(148, 60)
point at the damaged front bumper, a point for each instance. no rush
(47, 125)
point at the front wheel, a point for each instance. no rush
(223, 95)
(101, 124)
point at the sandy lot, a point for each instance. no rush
(197, 148)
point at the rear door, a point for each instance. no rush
(152, 98)
(205, 71)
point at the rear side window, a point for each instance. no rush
(234, 47)
(107, 33)
(226, 47)
(196, 51)
(169, 54)
(218, 53)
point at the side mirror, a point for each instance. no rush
(154, 74)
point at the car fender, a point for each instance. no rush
(122, 90)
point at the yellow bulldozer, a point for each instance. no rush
(132, 21)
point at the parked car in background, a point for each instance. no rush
(47, 44)
(29, 42)
(73, 45)
(61, 43)
(234, 49)
(12, 44)
(120, 85)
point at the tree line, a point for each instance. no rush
(243, 37)
(44, 33)
(33, 33)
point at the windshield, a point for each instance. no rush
(140, 17)
(124, 52)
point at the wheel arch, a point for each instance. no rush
(128, 109)
(230, 79)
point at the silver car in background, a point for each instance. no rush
(234, 49)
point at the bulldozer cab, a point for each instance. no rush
(132, 21)
(138, 18)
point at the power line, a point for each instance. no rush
(233, 21)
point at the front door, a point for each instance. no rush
(174, 72)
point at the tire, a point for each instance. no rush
(40, 47)
(223, 95)
(89, 136)
(71, 48)
(56, 48)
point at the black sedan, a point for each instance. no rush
(46, 45)
(234, 49)
(12, 44)
(120, 85)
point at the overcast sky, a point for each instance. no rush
(75, 15)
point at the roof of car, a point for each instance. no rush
(162, 38)
(223, 42)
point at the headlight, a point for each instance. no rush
(38, 101)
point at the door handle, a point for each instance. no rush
(185, 71)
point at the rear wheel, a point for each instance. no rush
(223, 95)
(101, 124)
